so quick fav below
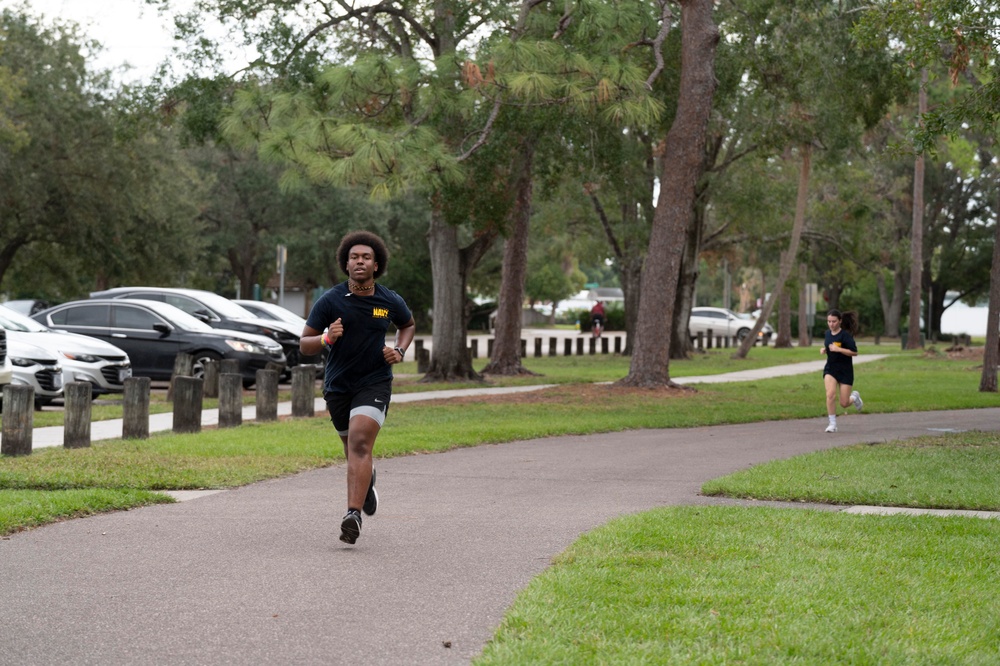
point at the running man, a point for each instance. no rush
(350, 321)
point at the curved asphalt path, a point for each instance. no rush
(257, 575)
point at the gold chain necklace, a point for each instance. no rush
(358, 289)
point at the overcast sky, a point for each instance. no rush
(131, 31)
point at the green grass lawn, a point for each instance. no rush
(727, 585)
(685, 585)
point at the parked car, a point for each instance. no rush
(83, 359)
(152, 333)
(725, 323)
(27, 307)
(271, 311)
(35, 367)
(216, 311)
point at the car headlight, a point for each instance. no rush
(22, 362)
(248, 347)
(83, 358)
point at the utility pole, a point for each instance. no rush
(282, 258)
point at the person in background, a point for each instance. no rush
(350, 321)
(597, 318)
(838, 373)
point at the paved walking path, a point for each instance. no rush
(256, 575)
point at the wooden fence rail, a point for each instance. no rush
(187, 393)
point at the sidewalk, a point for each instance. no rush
(112, 428)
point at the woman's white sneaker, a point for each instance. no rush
(856, 398)
(831, 428)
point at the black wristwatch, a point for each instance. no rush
(402, 352)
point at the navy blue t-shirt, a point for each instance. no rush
(355, 360)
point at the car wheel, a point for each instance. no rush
(200, 360)
(742, 334)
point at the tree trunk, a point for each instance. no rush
(684, 160)
(506, 359)
(241, 262)
(917, 233)
(680, 342)
(936, 307)
(788, 259)
(805, 323)
(892, 308)
(991, 355)
(450, 358)
(783, 339)
(630, 276)
(629, 260)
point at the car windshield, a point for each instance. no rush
(15, 321)
(224, 306)
(178, 317)
(281, 314)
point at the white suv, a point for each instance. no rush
(725, 323)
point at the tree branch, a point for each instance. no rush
(666, 20)
(484, 133)
(605, 222)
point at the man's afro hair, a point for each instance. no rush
(363, 238)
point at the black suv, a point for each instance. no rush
(218, 312)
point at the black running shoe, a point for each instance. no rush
(350, 527)
(371, 499)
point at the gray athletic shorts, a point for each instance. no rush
(371, 401)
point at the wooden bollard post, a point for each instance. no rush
(423, 360)
(135, 408)
(538, 347)
(76, 415)
(579, 346)
(211, 386)
(709, 338)
(489, 347)
(267, 396)
(229, 366)
(592, 346)
(474, 346)
(567, 347)
(304, 390)
(553, 346)
(618, 344)
(699, 341)
(187, 404)
(604, 345)
(18, 420)
(524, 348)
(183, 367)
(230, 400)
